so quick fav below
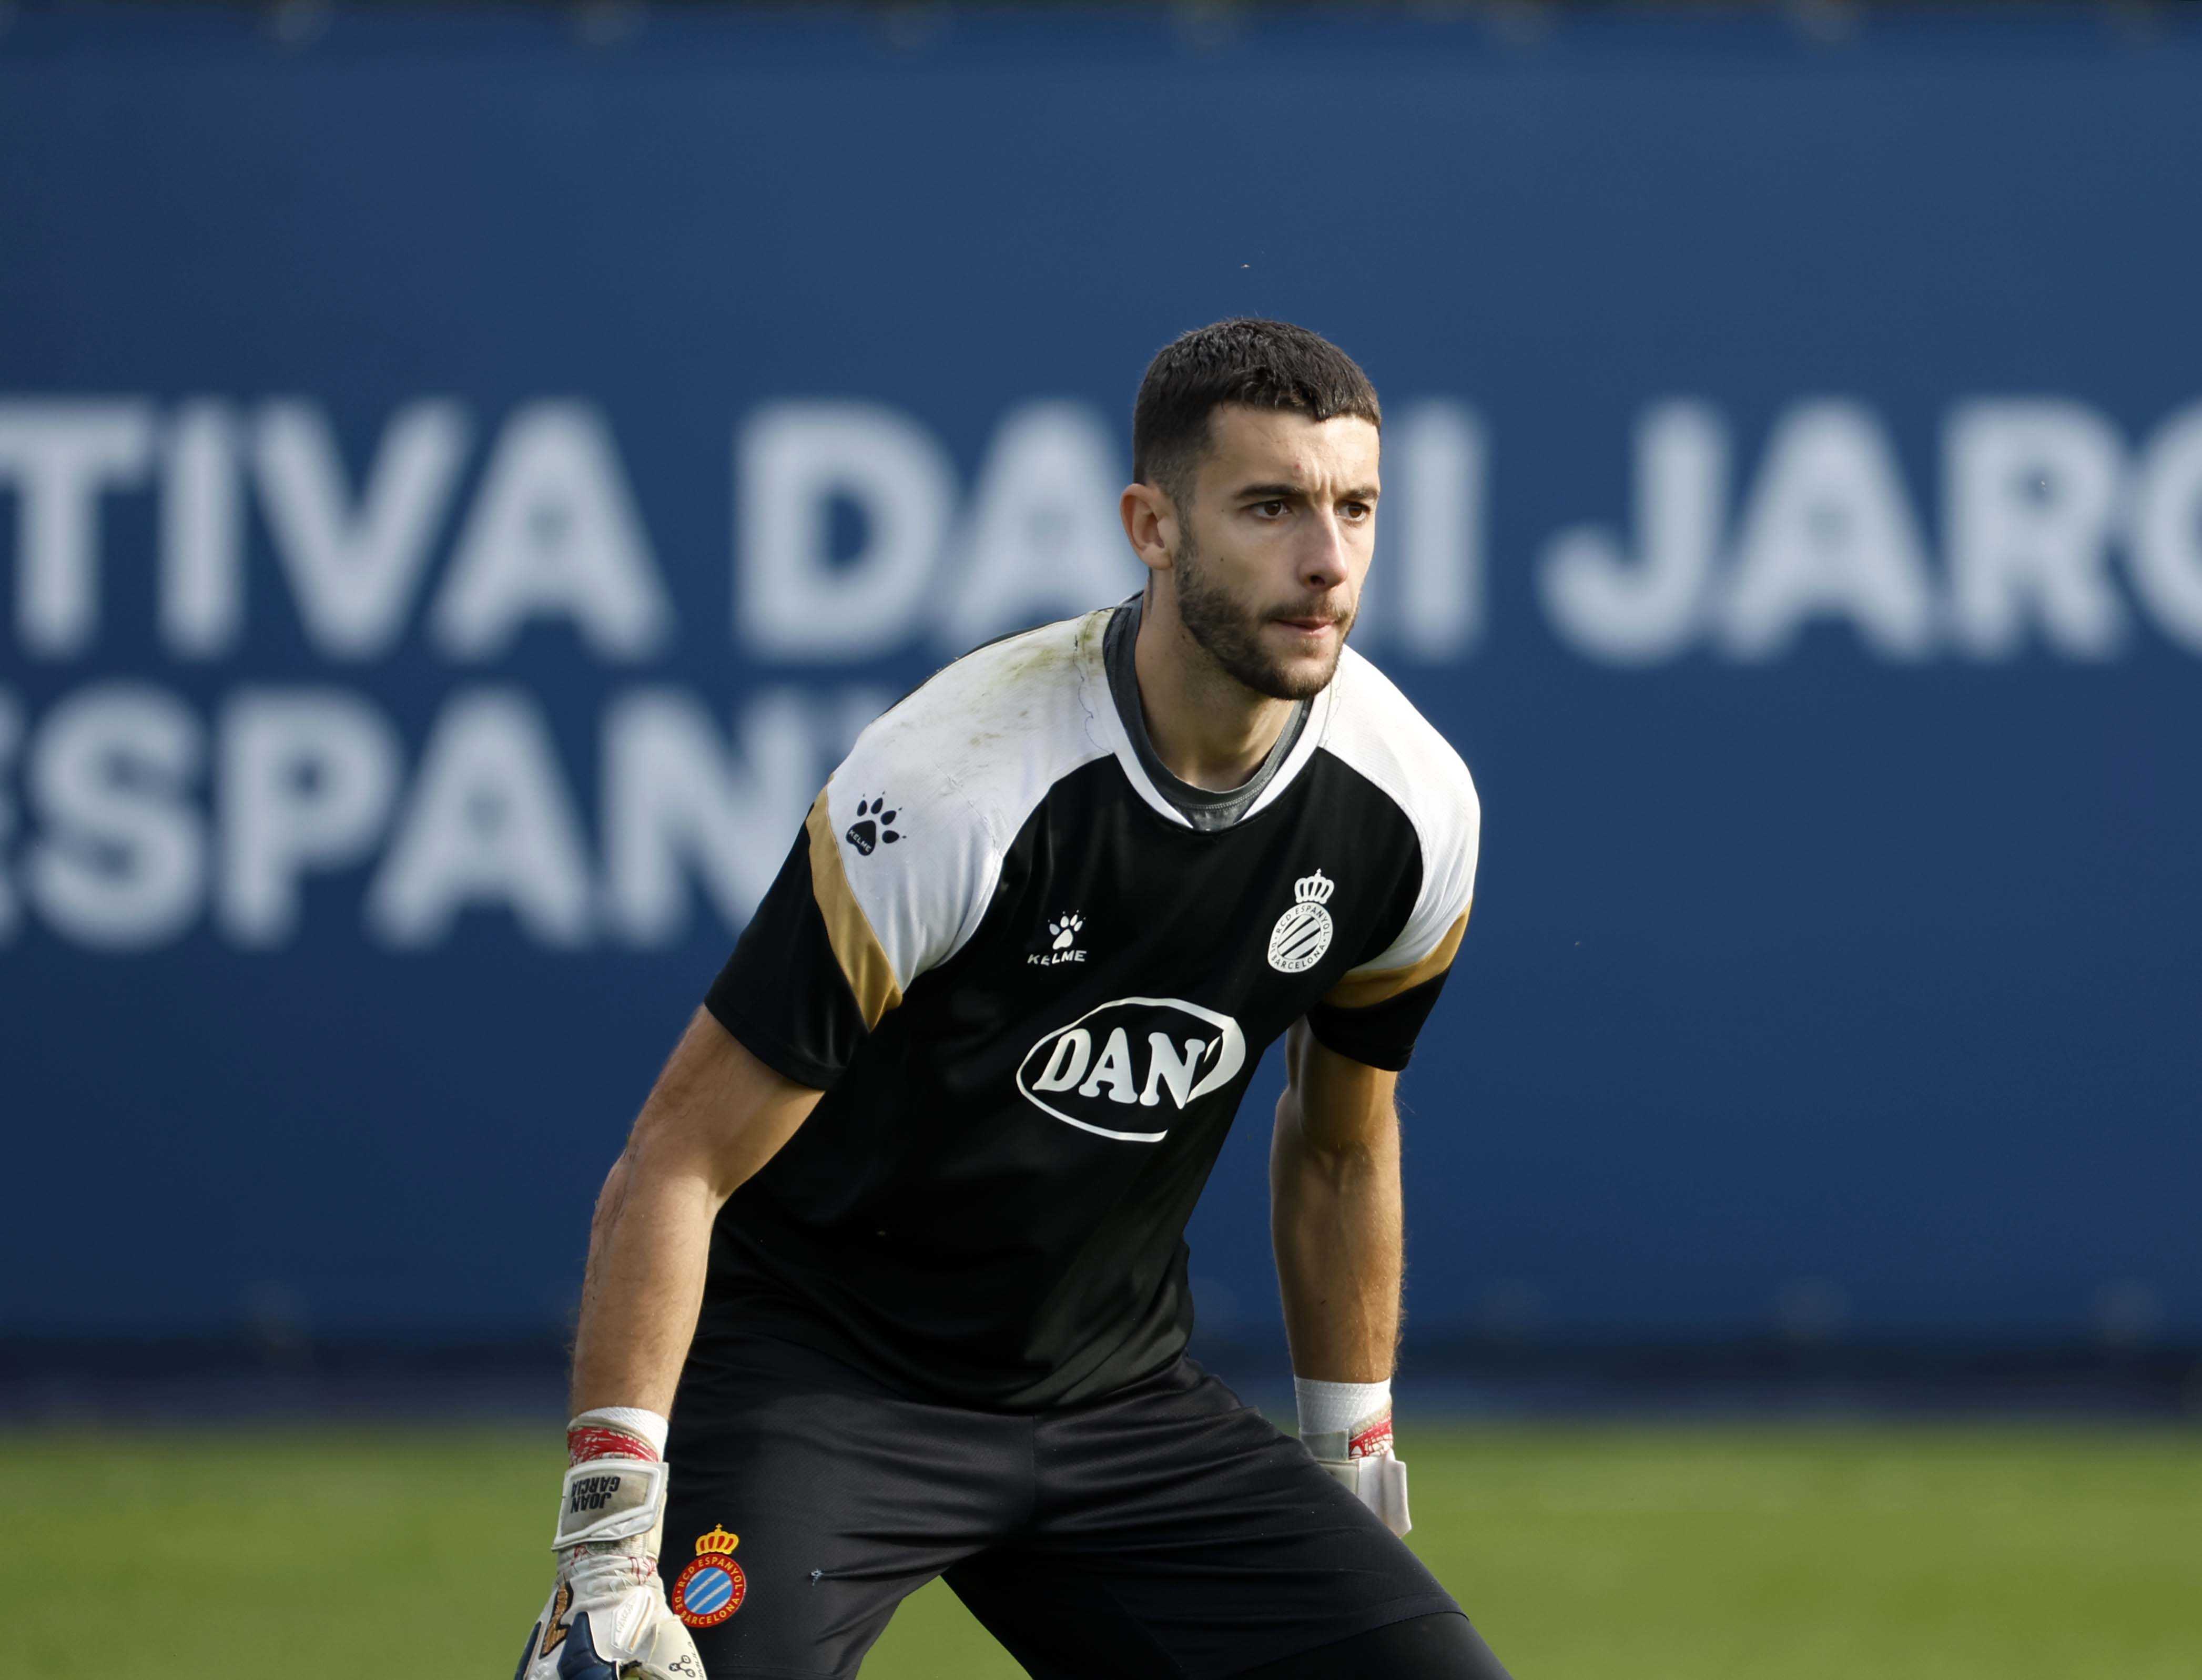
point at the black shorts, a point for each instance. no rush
(1168, 1529)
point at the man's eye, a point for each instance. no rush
(1356, 510)
(1271, 510)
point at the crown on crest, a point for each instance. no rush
(718, 1540)
(1315, 889)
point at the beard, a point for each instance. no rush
(1230, 632)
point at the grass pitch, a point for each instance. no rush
(1659, 1554)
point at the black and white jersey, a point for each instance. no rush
(1034, 993)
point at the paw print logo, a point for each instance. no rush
(1065, 930)
(871, 829)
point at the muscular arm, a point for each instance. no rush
(1334, 1214)
(716, 1116)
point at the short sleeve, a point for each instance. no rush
(1376, 1017)
(1376, 1012)
(888, 879)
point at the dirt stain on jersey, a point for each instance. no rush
(1001, 705)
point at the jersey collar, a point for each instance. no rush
(1108, 729)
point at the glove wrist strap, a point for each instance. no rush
(616, 1432)
(1344, 1420)
(615, 1485)
(606, 1500)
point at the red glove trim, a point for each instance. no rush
(595, 1441)
(1374, 1441)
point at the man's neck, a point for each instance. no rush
(1209, 729)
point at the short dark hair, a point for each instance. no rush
(1261, 364)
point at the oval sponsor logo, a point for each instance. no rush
(1127, 1069)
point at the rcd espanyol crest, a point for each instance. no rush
(712, 1588)
(1303, 933)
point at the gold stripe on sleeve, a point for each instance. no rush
(1359, 991)
(863, 959)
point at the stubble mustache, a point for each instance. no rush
(1319, 612)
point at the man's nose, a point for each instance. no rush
(1323, 565)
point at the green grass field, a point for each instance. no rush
(1652, 1553)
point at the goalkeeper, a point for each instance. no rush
(889, 1282)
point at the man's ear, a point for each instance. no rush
(1149, 524)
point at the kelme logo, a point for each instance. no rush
(1128, 1069)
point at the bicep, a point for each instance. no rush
(717, 1112)
(1335, 1101)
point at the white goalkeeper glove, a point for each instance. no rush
(607, 1618)
(1347, 1426)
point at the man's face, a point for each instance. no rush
(1273, 544)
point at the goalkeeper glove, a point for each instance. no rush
(607, 1618)
(1347, 1426)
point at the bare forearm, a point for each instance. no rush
(1335, 1224)
(716, 1115)
(648, 1247)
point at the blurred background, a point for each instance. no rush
(467, 471)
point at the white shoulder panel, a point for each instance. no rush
(1376, 730)
(929, 799)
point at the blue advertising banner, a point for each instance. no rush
(464, 480)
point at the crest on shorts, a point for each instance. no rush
(711, 1588)
(1303, 933)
